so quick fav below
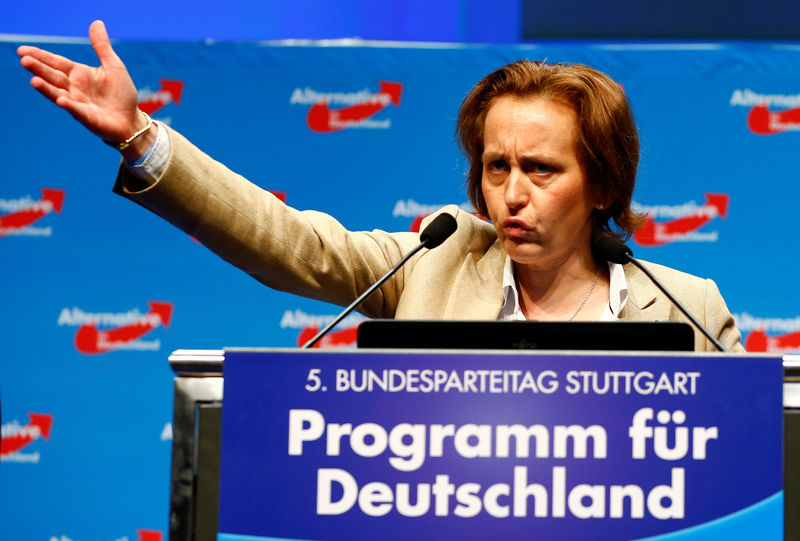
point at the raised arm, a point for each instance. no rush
(103, 99)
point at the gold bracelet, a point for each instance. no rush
(125, 144)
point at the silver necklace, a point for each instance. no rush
(588, 294)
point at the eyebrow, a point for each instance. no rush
(538, 157)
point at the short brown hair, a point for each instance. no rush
(607, 141)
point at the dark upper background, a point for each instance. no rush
(468, 21)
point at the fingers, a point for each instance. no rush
(47, 90)
(98, 36)
(55, 61)
(49, 75)
(59, 96)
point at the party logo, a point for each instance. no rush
(336, 338)
(335, 111)
(21, 214)
(151, 101)
(409, 208)
(769, 114)
(681, 223)
(17, 437)
(308, 325)
(279, 194)
(149, 535)
(769, 335)
(141, 535)
(120, 331)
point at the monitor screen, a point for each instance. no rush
(557, 335)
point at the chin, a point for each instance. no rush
(523, 254)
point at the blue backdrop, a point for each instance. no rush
(85, 429)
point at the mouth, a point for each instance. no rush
(515, 227)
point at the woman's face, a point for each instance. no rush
(534, 185)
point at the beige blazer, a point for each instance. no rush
(309, 253)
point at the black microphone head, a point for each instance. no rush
(438, 230)
(611, 249)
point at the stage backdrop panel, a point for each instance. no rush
(99, 291)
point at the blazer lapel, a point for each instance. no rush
(477, 292)
(645, 300)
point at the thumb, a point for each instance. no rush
(101, 44)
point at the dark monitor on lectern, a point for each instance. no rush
(546, 335)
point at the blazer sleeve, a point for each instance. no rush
(303, 252)
(719, 321)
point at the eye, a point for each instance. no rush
(540, 168)
(495, 166)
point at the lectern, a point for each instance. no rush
(447, 443)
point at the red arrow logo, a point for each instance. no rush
(148, 535)
(52, 200)
(39, 426)
(415, 225)
(656, 234)
(322, 119)
(762, 121)
(759, 341)
(279, 194)
(170, 91)
(341, 338)
(89, 340)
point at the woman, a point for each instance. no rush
(553, 153)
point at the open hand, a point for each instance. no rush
(103, 99)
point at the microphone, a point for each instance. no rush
(432, 236)
(438, 230)
(614, 250)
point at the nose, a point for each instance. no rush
(517, 190)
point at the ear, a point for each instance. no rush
(601, 203)
(600, 198)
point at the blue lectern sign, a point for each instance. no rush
(357, 445)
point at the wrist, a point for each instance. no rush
(140, 141)
(140, 145)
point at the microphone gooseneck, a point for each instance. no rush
(614, 250)
(432, 236)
